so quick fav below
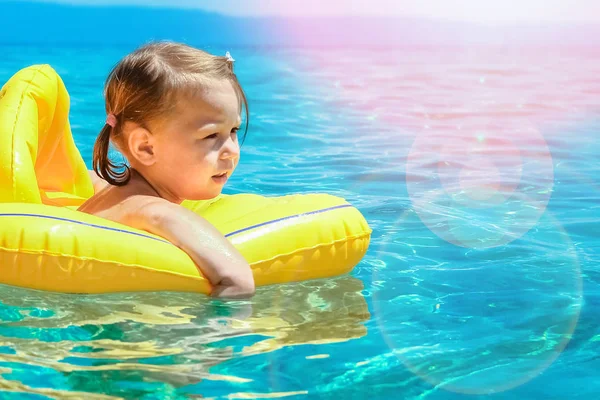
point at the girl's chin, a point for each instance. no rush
(204, 195)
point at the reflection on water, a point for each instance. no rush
(322, 312)
(163, 341)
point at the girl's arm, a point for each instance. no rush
(221, 263)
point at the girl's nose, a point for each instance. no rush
(231, 149)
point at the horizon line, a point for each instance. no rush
(278, 16)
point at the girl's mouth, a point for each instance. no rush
(221, 178)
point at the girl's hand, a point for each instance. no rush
(228, 272)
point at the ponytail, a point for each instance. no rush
(103, 166)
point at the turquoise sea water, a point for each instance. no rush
(477, 171)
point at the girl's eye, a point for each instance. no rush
(213, 136)
(234, 132)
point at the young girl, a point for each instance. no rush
(173, 111)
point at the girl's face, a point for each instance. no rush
(197, 148)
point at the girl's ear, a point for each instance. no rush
(141, 146)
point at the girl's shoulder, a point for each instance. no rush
(97, 181)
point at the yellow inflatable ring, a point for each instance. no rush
(46, 244)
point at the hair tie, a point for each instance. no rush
(229, 58)
(111, 120)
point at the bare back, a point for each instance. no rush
(118, 203)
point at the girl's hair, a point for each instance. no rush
(145, 86)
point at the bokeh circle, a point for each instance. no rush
(486, 323)
(500, 177)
